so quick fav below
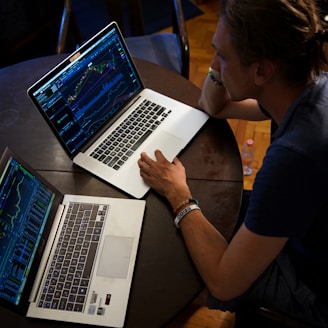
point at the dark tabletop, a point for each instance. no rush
(165, 279)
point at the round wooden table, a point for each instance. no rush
(165, 279)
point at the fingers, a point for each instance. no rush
(150, 168)
(145, 163)
(176, 161)
(159, 155)
(144, 160)
(149, 161)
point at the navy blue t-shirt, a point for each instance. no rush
(290, 192)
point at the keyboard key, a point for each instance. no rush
(68, 278)
(116, 148)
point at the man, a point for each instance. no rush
(267, 64)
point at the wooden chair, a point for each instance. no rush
(170, 49)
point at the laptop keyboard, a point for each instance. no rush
(124, 140)
(68, 279)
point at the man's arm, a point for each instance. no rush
(228, 270)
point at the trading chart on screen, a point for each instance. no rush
(24, 207)
(80, 99)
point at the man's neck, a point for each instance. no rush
(276, 98)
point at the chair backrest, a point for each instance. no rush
(128, 15)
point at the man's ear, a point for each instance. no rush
(263, 71)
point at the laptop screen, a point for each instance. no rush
(83, 92)
(25, 204)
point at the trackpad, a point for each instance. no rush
(115, 257)
(169, 144)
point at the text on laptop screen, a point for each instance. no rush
(24, 207)
(80, 98)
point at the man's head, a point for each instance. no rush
(282, 31)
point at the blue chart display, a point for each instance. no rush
(24, 207)
(81, 99)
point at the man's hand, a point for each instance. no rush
(168, 179)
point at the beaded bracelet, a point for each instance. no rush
(183, 213)
(183, 203)
(212, 77)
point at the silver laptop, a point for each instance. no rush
(98, 108)
(64, 257)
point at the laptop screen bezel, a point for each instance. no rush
(22, 306)
(68, 61)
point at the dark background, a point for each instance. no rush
(29, 29)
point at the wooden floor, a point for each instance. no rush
(200, 32)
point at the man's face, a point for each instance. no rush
(237, 78)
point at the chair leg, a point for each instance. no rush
(68, 19)
(64, 26)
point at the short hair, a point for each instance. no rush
(288, 32)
